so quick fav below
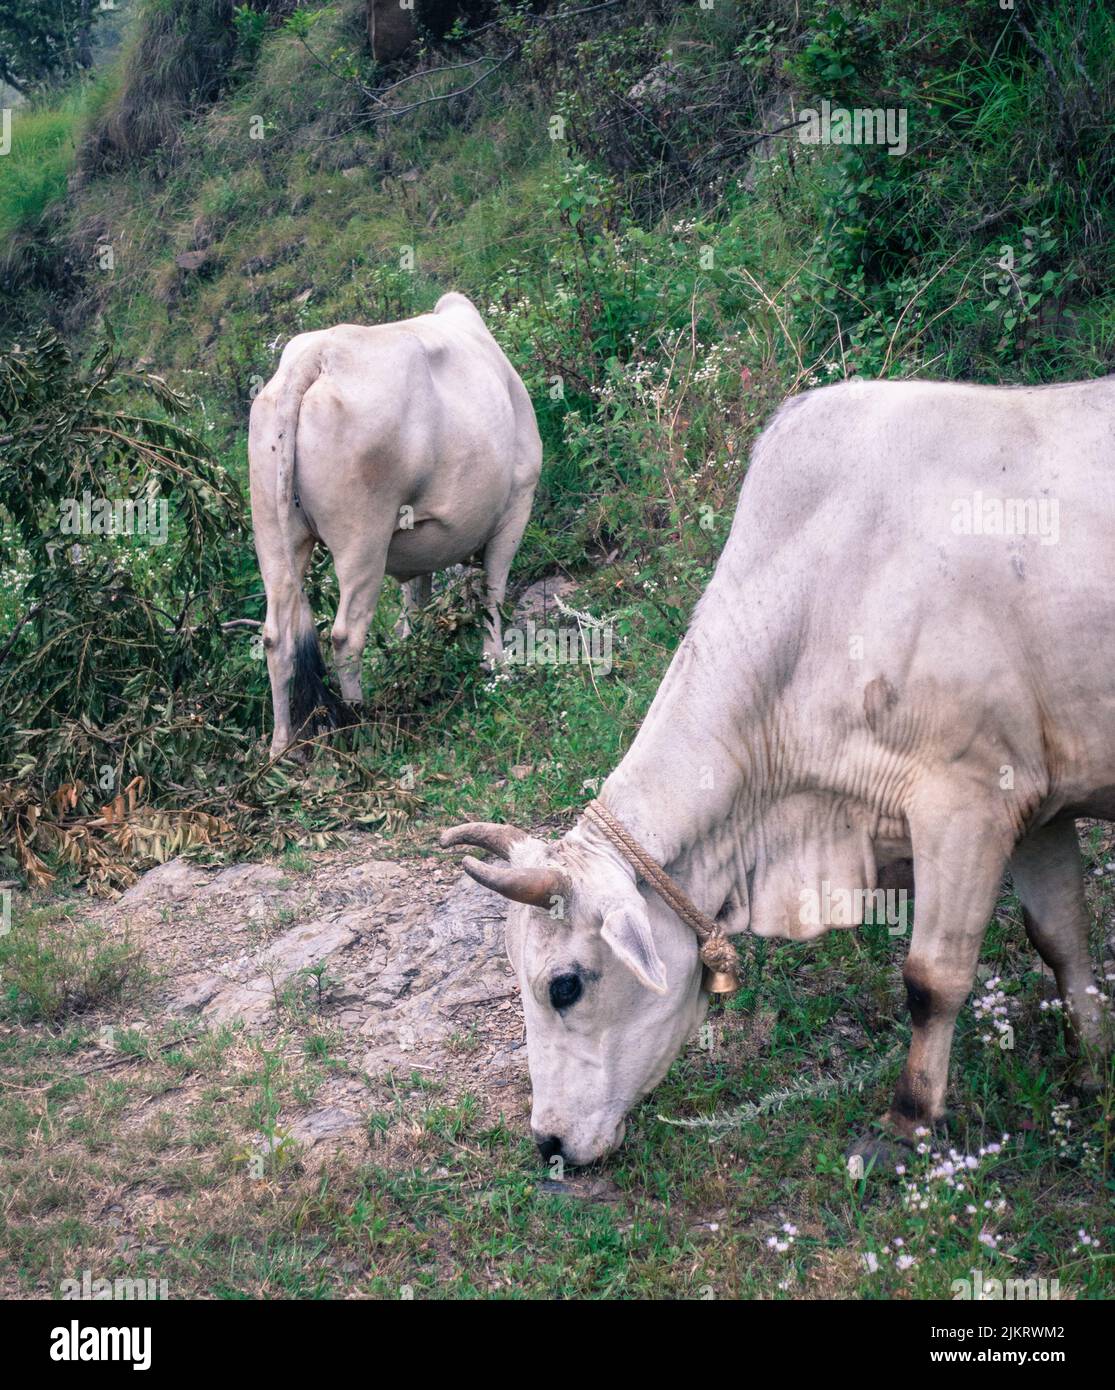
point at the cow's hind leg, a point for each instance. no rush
(360, 568)
(287, 617)
(1048, 876)
(960, 853)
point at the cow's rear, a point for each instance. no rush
(404, 449)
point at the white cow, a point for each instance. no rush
(403, 448)
(907, 649)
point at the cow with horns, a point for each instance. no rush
(904, 655)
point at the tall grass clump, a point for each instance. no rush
(178, 57)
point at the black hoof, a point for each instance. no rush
(1089, 1086)
(878, 1155)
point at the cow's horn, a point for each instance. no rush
(537, 886)
(485, 834)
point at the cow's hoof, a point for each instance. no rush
(1089, 1084)
(878, 1155)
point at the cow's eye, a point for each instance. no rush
(565, 990)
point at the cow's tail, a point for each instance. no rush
(314, 708)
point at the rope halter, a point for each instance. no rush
(717, 952)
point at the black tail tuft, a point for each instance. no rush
(314, 708)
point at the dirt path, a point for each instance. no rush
(403, 962)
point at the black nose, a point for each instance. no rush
(550, 1147)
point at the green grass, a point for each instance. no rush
(33, 174)
(445, 1197)
(52, 966)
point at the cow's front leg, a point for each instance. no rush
(416, 595)
(498, 554)
(960, 853)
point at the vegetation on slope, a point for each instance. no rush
(659, 277)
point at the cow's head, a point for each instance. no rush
(611, 981)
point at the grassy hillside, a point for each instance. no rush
(660, 279)
(662, 276)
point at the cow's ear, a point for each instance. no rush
(627, 931)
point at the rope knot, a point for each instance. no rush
(717, 952)
(719, 955)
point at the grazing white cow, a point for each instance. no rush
(403, 448)
(907, 651)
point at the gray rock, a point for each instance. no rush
(295, 950)
(443, 966)
(169, 882)
(322, 1124)
(537, 600)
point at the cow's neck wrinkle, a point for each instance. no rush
(717, 746)
(687, 787)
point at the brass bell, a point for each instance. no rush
(720, 981)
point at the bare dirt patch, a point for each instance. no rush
(405, 961)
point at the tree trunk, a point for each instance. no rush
(391, 29)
